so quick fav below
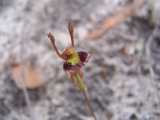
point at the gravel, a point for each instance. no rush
(121, 74)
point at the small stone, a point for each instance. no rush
(133, 117)
(4, 110)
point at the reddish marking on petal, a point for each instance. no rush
(83, 56)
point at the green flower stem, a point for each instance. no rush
(83, 88)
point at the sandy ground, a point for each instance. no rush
(121, 82)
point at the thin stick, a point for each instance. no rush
(33, 114)
(52, 39)
(119, 16)
(30, 109)
(71, 32)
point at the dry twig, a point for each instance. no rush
(118, 17)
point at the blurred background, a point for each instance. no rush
(123, 74)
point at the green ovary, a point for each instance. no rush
(80, 82)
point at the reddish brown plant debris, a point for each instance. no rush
(26, 76)
(118, 17)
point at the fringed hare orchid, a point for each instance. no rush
(73, 63)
